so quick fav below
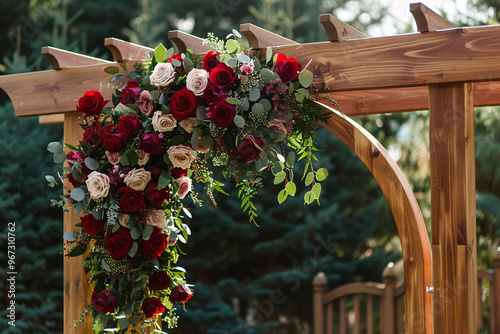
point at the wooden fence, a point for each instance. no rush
(370, 307)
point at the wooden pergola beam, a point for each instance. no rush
(123, 50)
(63, 59)
(259, 38)
(428, 20)
(184, 41)
(337, 30)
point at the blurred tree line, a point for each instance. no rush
(247, 279)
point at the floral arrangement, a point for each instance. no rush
(177, 118)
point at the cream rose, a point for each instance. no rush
(98, 185)
(184, 187)
(156, 218)
(137, 179)
(143, 157)
(188, 124)
(163, 123)
(181, 156)
(196, 81)
(123, 219)
(113, 157)
(162, 75)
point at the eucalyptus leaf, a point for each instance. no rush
(258, 109)
(59, 157)
(147, 232)
(188, 64)
(234, 101)
(50, 178)
(231, 45)
(124, 322)
(267, 75)
(97, 213)
(200, 113)
(170, 53)
(91, 163)
(243, 59)
(133, 250)
(233, 62)
(246, 104)
(207, 141)
(135, 233)
(239, 121)
(78, 207)
(77, 194)
(266, 104)
(69, 236)
(306, 78)
(105, 265)
(236, 33)
(269, 54)
(55, 147)
(176, 62)
(254, 94)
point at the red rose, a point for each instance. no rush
(130, 93)
(150, 143)
(183, 104)
(179, 58)
(119, 243)
(287, 68)
(104, 301)
(127, 125)
(222, 113)
(209, 94)
(152, 306)
(223, 76)
(180, 294)
(159, 281)
(114, 142)
(91, 103)
(92, 226)
(156, 196)
(177, 172)
(132, 200)
(250, 147)
(155, 172)
(155, 245)
(210, 60)
(93, 135)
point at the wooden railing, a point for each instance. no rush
(371, 307)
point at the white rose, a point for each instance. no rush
(181, 156)
(188, 124)
(156, 218)
(163, 74)
(98, 185)
(196, 81)
(163, 123)
(137, 179)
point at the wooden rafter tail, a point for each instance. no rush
(337, 30)
(51, 119)
(259, 38)
(63, 59)
(427, 19)
(184, 41)
(123, 50)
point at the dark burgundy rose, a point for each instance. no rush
(210, 60)
(94, 135)
(155, 245)
(287, 68)
(114, 142)
(150, 143)
(250, 147)
(183, 104)
(91, 103)
(128, 124)
(131, 200)
(156, 196)
(155, 172)
(180, 294)
(179, 58)
(159, 281)
(92, 226)
(104, 301)
(208, 94)
(223, 76)
(74, 181)
(222, 113)
(130, 93)
(177, 172)
(152, 306)
(119, 243)
(80, 176)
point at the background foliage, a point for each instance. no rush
(248, 279)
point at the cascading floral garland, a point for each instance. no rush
(178, 117)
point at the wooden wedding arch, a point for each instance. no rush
(445, 69)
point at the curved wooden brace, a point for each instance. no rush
(409, 222)
(259, 38)
(427, 19)
(337, 30)
(184, 41)
(62, 59)
(123, 50)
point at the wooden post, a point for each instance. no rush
(453, 207)
(387, 319)
(76, 288)
(320, 284)
(495, 293)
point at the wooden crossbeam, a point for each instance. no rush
(337, 30)
(259, 38)
(427, 19)
(123, 50)
(63, 59)
(184, 41)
